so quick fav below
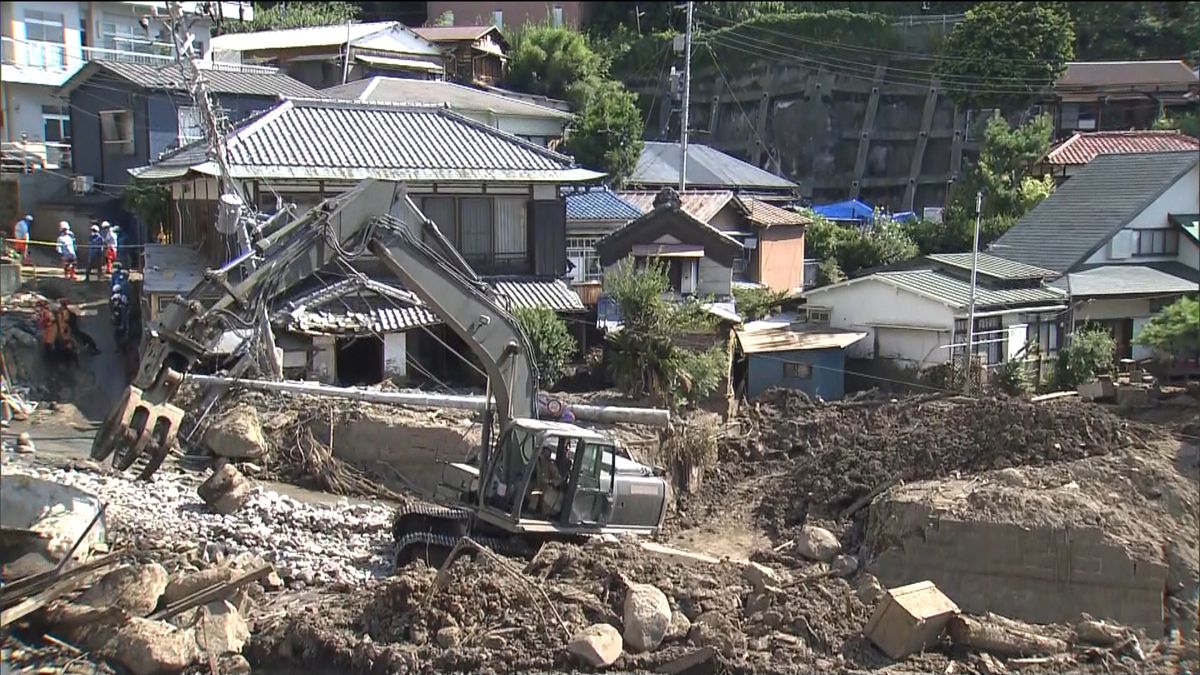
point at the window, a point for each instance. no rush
(125, 37)
(798, 371)
(44, 27)
(581, 251)
(116, 131)
(989, 340)
(56, 124)
(488, 231)
(1042, 332)
(190, 128)
(1155, 242)
(817, 314)
(557, 14)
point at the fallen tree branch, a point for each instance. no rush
(1000, 637)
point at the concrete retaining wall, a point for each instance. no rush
(1038, 574)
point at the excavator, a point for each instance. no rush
(540, 480)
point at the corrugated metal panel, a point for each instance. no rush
(552, 293)
(591, 205)
(785, 339)
(343, 140)
(957, 292)
(707, 167)
(993, 266)
(701, 205)
(171, 78)
(1083, 147)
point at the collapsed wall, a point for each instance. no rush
(1026, 563)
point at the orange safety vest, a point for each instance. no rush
(46, 321)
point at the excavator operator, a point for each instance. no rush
(552, 477)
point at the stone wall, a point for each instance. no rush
(1038, 573)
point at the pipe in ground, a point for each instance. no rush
(655, 417)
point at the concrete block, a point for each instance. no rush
(909, 618)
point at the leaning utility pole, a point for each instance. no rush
(969, 360)
(687, 99)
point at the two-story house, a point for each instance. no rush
(1122, 235)
(514, 15)
(477, 54)
(125, 115)
(539, 124)
(44, 44)
(324, 56)
(1118, 95)
(1068, 157)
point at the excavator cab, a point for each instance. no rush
(549, 476)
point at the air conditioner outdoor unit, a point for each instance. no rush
(82, 185)
(932, 213)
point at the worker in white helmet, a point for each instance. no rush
(66, 249)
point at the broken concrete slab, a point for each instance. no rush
(60, 513)
(149, 647)
(237, 435)
(134, 588)
(647, 617)
(182, 585)
(598, 645)
(226, 490)
(220, 629)
(909, 618)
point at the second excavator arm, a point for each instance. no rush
(375, 217)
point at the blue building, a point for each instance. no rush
(127, 115)
(783, 351)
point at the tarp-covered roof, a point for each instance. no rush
(851, 209)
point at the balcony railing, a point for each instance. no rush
(32, 155)
(61, 58)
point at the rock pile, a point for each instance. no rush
(309, 544)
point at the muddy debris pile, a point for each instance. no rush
(837, 453)
(581, 607)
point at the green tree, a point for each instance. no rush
(607, 133)
(1004, 53)
(1187, 122)
(295, 15)
(149, 202)
(854, 248)
(830, 272)
(646, 356)
(553, 345)
(554, 62)
(1121, 31)
(754, 303)
(1089, 353)
(1175, 330)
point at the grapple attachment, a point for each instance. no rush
(137, 434)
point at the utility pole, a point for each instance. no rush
(346, 61)
(687, 99)
(969, 360)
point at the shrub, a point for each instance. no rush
(1012, 378)
(1090, 353)
(755, 303)
(553, 345)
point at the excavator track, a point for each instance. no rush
(427, 531)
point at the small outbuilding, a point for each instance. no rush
(785, 351)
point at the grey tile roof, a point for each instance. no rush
(317, 139)
(956, 292)
(593, 205)
(1078, 217)
(537, 292)
(355, 306)
(993, 266)
(707, 168)
(430, 92)
(171, 269)
(1109, 280)
(219, 80)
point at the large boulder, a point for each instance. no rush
(226, 490)
(148, 647)
(183, 585)
(220, 629)
(237, 435)
(647, 617)
(817, 543)
(598, 645)
(134, 588)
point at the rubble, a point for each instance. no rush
(220, 629)
(149, 647)
(817, 543)
(134, 588)
(226, 490)
(598, 645)
(237, 435)
(184, 584)
(909, 619)
(647, 617)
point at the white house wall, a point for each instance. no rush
(1137, 309)
(1182, 197)
(25, 110)
(395, 354)
(869, 304)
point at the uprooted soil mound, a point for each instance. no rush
(499, 615)
(833, 454)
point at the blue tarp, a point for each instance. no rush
(848, 210)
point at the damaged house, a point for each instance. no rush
(495, 197)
